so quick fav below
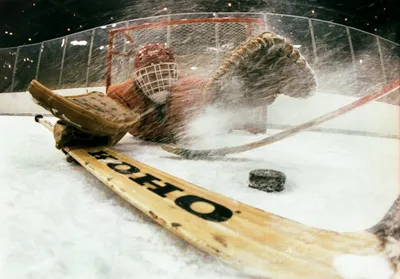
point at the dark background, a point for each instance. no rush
(32, 21)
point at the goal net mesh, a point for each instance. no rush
(198, 45)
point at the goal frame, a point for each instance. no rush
(166, 22)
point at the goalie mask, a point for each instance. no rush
(155, 71)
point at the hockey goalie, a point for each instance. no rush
(156, 104)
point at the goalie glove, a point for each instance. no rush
(258, 71)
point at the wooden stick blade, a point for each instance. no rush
(240, 234)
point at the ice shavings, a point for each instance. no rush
(363, 267)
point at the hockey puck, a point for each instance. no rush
(267, 180)
(37, 117)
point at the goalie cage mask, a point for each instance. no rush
(155, 71)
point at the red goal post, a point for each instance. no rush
(197, 36)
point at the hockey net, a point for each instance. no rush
(198, 46)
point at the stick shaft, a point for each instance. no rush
(333, 114)
(286, 133)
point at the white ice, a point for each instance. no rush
(58, 221)
(363, 267)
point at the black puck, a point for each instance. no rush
(267, 180)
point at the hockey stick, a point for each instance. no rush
(252, 239)
(192, 153)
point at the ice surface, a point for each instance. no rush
(58, 221)
(363, 267)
